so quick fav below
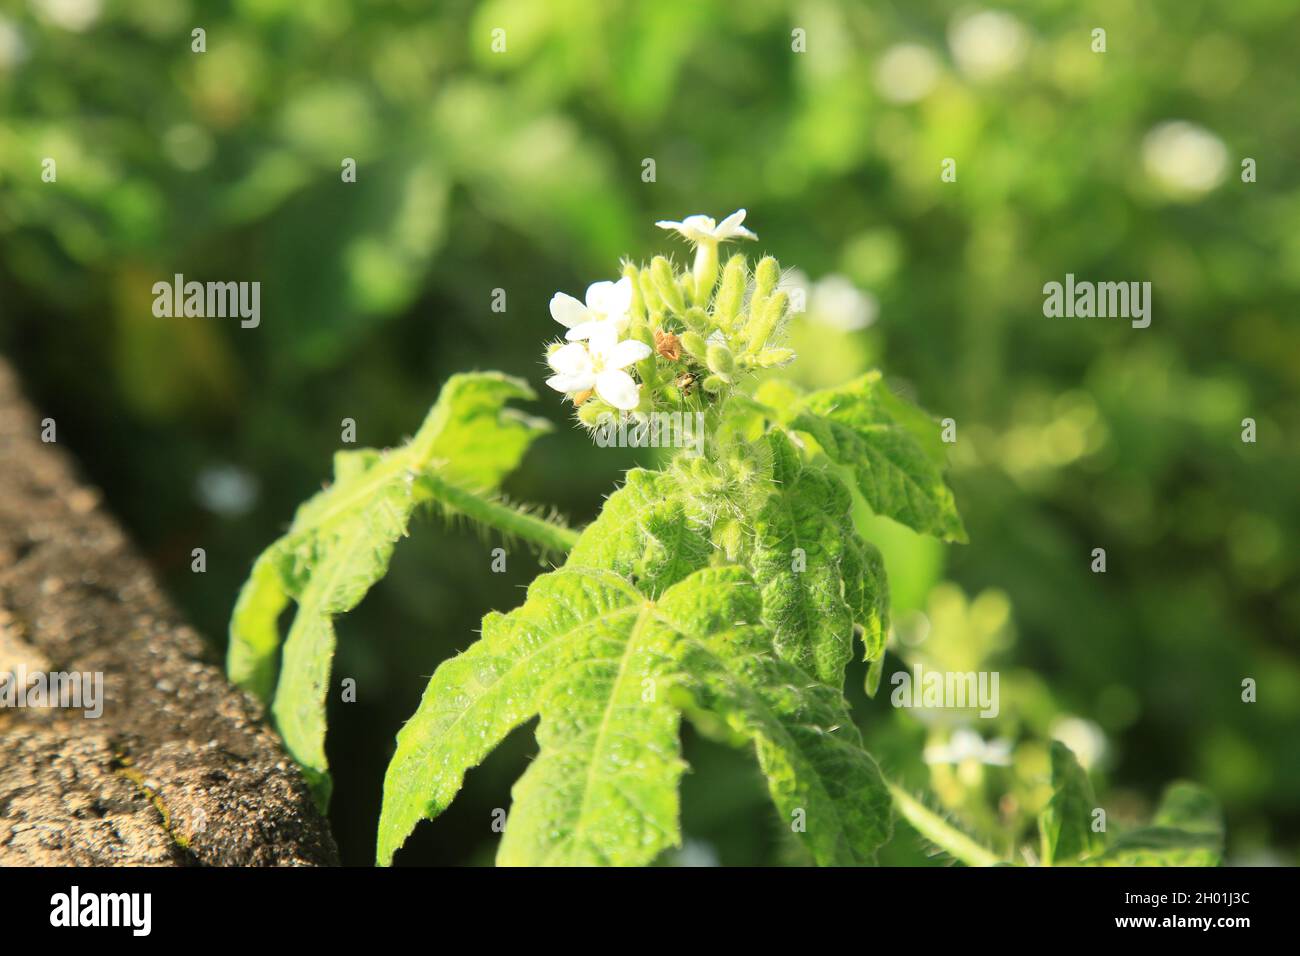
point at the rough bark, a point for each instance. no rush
(180, 769)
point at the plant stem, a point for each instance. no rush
(550, 536)
(939, 831)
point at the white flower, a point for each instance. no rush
(707, 234)
(598, 364)
(606, 302)
(967, 745)
(702, 229)
(1186, 160)
(988, 44)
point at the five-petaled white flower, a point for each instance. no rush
(598, 364)
(702, 229)
(606, 302)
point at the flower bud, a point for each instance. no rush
(697, 320)
(665, 283)
(637, 309)
(730, 536)
(773, 358)
(720, 361)
(766, 276)
(726, 305)
(763, 324)
(649, 294)
(713, 384)
(695, 345)
(591, 412)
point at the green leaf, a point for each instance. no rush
(645, 533)
(340, 543)
(825, 785)
(1187, 831)
(1190, 807)
(1065, 824)
(818, 578)
(893, 449)
(1161, 846)
(866, 589)
(799, 541)
(593, 656)
(601, 662)
(603, 789)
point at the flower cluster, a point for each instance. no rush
(660, 338)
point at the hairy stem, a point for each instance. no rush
(509, 520)
(939, 831)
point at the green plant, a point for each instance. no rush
(727, 586)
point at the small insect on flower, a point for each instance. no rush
(667, 345)
(597, 364)
(685, 383)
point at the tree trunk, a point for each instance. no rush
(180, 768)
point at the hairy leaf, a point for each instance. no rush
(599, 660)
(1065, 824)
(594, 657)
(893, 449)
(800, 537)
(645, 532)
(825, 785)
(1187, 831)
(340, 543)
(818, 578)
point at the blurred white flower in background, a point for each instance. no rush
(837, 302)
(1184, 159)
(76, 15)
(1086, 739)
(987, 44)
(832, 300)
(907, 73)
(696, 853)
(965, 744)
(227, 490)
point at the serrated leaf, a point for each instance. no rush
(340, 543)
(1065, 824)
(593, 656)
(818, 578)
(866, 590)
(892, 448)
(1187, 831)
(645, 533)
(1161, 846)
(824, 783)
(799, 541)
(599, 660)
(1190, 807)
(603, 789)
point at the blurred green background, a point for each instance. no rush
(522, 170)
